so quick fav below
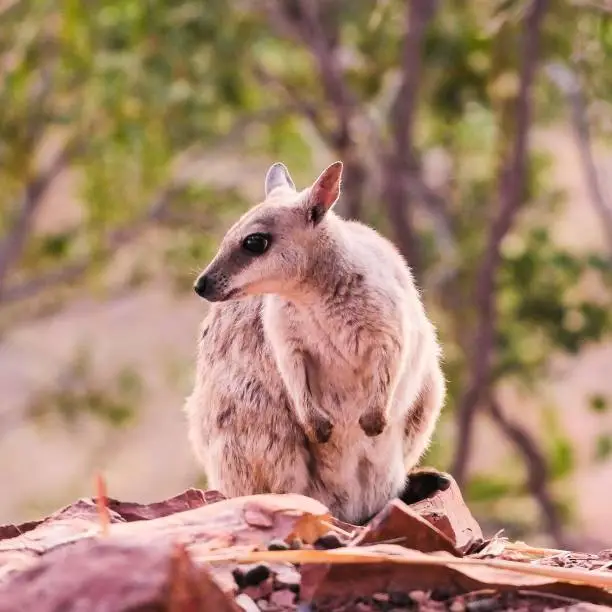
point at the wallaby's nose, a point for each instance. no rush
(200, 285)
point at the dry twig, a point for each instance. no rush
(102, 504)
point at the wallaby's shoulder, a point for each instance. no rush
(238, 312)
(382, 260)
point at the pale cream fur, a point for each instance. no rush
(318, 370)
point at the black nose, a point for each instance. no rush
(201, 285)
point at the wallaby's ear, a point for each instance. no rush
(278, 176)
(324, 192)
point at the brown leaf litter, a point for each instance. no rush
(201, 551)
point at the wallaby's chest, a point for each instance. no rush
(328, 343)
(233, 348)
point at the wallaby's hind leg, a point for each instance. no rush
(423, 416)
(420, 422)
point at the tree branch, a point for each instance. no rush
(436, 207)
(336, 89)
(302, 20)
(537, 470)
(511, 185)
(13, 244)
(399, 162)
(7, 5)
(601, 6)
(296, 101)
(569, 84)
(116, 239)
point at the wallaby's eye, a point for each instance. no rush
(256, 243)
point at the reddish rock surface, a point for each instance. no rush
(200, 551)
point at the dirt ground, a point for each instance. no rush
(154, 331)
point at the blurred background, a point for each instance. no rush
(474, 134)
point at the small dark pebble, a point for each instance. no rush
(255, 575)
(328, 541)
(397, 598)
(442, 594)
(238, 575)
(484, 605)
(294, 588)
(278, 545)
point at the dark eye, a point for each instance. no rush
(256, 243)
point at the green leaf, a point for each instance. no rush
(603, 447)
(561, 460)
(484, 488)
(57, 245)
(598, 403)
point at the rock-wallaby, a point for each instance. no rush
(318, 370)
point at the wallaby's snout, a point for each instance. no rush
(202, 286)
(214, 286)
(224, 278)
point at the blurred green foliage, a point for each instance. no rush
(79, 394)
(141, 89)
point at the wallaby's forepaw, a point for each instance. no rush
(323, 431)
(319, 429)
(373, 423)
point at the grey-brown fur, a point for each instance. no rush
(318, 371)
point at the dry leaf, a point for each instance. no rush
(102, 504)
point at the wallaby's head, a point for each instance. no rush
(271, 248)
